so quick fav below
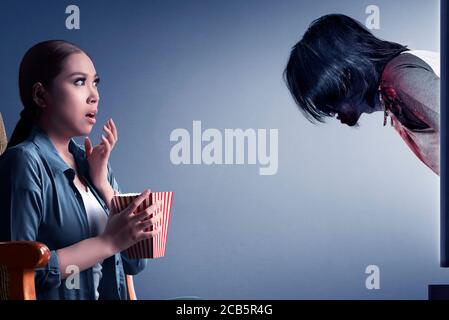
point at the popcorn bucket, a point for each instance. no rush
(154, 247)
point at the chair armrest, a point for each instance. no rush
(18, 259)
(24, 254)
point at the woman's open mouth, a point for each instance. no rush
(91, 117)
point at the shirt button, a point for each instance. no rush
(117, 263)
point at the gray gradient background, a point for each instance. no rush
(342, 199)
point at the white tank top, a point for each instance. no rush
(97, 219)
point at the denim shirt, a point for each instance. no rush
(39, 201)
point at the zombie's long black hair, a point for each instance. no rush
(337, 59)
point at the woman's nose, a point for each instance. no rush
(93, 96)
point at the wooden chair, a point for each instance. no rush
(18, 259)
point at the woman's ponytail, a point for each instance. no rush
(28, 117)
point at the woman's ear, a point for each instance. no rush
(39, 95)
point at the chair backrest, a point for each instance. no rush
(3, 137)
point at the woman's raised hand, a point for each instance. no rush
(123, 229)
(98, 156)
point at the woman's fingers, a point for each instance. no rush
(107, 145)
(147, 225)
(150, 222)
(113, 129)
(150, 211)
(149, 234)
(88, 147)
(109, 136)
(137, 202)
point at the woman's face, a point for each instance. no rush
(349, 113)
(72, 96)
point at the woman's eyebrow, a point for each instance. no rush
(82, 74)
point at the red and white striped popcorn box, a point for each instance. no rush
(154, 247)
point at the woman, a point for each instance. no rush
(340, 68)
(54, 191)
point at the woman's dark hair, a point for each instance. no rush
(337, 59)
(41, 63)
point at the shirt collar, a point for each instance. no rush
(40, 138)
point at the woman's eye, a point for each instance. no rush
(331, 110)
(80, 81)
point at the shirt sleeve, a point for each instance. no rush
(130, 266)
(24, 209)
(419, 89)
(112, 180)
